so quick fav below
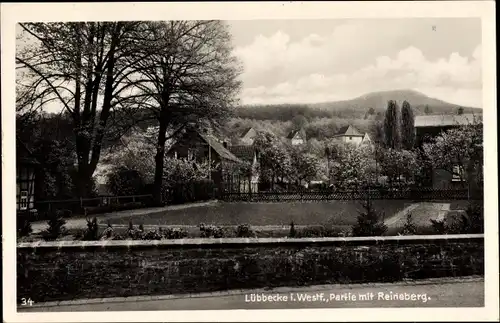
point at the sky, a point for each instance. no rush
(307, 61)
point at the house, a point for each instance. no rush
(25, 178)
(428, 127)
(199, 146)
(248, 154)
(297, 137)
(248, 136)
(350, 134)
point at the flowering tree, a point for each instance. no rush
(304, 165)
(460, 152)
(136, 153)
(275, 159)
(350, 167)
(401, 166)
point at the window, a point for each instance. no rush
(23, 200)
(458, 174)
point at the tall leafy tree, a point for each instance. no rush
(80, 67)
(407, 126)
(188, 75)
(392, 135)
(275, 160)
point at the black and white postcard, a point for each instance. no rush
(297, 161)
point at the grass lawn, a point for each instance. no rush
(336, 213)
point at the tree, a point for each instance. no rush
(275, 161)
(401, 166)
(123, 181)
(409, 228)
(460, 152)
(392, 135)
(187, 75)
(427, 110)
(460, 110)
(135, 152)
(350, 167)
(370, 222)
(48, 138)
(407, 126)
(304, 165)
(370, 112)
(81, 67)
(299, 121)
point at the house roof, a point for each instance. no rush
(243, 152)
(349, 131)
(23, 154)
(445, 120)
(245, 131)
(219, 147)
(293, 133)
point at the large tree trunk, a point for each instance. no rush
(160, 160)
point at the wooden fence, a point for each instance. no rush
(95, 204)
(406, 194)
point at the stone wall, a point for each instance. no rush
(70, 270)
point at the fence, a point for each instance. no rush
(92, 205)
(405, 194)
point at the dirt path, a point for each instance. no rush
(81, 222)
(421, 214)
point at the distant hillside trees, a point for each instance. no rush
(460, 110)
(407, 126)
(299, 121)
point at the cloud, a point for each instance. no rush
(352, 61)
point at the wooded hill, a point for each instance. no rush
(355, 108)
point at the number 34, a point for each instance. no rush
(25, 302)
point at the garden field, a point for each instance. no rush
(328, 213)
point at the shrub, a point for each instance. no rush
(24, 228)
(293, 232)
(191, 191)
(151, 235)
(317, 232)
(409, 227)
(211, 231)
(174, 233)
(470, 221)
(369, 222)
(123, 181)
(133, 233)
(475, 214)
(141, 227)
(66, 213)
(92, 232)
(244, 231)
(438, 226)
(55, 226)
(108, 233)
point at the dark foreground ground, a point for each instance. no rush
(465, 292)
